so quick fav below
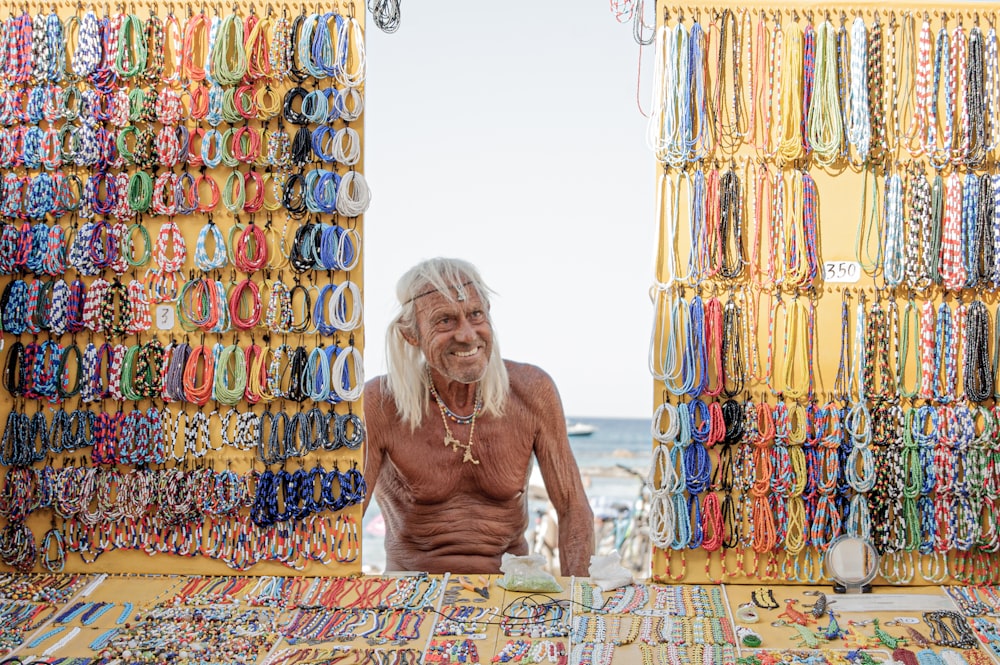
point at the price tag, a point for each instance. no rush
(164, 317)
(846, 272)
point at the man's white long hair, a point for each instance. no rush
(407, 367)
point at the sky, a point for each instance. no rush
(509, 135)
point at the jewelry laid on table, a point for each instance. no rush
(746, 613)
(452, 651)
(819, 607)
(748, 637)
(626, 599)
(630, 635)
(45, 636)
(591, 597)
(70, 613)
(125, 613)
(463, 620)
(548, 651)
(537, 620)
(103, 640)
(764, 599)
(512, 651)
(41, 587)
(95, 612)
(950, 629)
(989, 633)
(968, 601)
(229, 632)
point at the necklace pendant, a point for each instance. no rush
(467, 457)
(449, 440)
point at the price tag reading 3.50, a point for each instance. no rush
(847, 272)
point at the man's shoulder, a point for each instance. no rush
(529, 381)
(525, 372)
(376, 392)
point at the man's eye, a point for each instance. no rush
(477, 315)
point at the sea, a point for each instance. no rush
(608, 459)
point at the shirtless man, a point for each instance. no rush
(451, 431)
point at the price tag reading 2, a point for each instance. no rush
(846, 272)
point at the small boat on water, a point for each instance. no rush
(579, 429)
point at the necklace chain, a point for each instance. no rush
(446, 414)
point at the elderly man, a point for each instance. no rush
(451, 432)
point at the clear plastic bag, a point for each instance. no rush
(607, 573)
(527, 573)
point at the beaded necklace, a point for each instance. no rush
(790, 106)
(823, 122)
(977, 370)
(756, 57)
(939, 153)
(859, 128)
(775, 84)
(876, 90)
(900, 70)
(922, 118)
(729, 116)
(894, 265)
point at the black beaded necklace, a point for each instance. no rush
(733, 255)
(732, 349)
(978, 371)
(764, 599)
(957, 635)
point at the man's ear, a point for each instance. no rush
(411, 339)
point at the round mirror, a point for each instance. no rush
(852, 561)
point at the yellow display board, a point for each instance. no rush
(431, 619)
(824, 306)
(208, 167)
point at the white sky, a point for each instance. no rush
(508, 135)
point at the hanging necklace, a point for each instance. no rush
(974, 111)
(876, 88)
(728, 116)
(918, 242)
(446, 414)
(892, 113)
(734, 365)
(731, 225)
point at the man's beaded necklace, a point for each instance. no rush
(447, 414)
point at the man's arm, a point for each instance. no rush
(562, 481)
(374, 403)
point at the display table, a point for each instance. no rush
(77, 619)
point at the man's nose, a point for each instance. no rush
(465, 331)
